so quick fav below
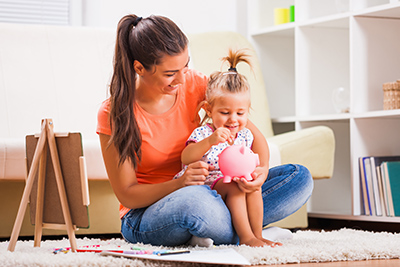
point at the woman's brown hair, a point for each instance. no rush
(146, 40)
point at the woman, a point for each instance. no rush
(143, 127)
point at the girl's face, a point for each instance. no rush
(167, 76)
(230, 111)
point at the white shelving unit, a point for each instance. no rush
(354, 44)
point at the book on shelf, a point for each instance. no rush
(382, 192)
(385, 179)
(367, 187)
(364, 195)
(373, 190)
(377, 192)
(391, 171)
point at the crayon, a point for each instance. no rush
(172, 252)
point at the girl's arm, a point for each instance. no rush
(195, 151)
(133, 195)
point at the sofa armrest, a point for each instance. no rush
(312, 147)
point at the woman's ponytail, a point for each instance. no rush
(125, 132)
(146, 40)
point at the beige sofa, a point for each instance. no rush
(63, 73)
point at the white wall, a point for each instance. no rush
(191, 16)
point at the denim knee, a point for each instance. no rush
(204, 213)
(287, 188)
(305, 180)
(200, 208)
(209, 217)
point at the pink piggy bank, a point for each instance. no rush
(237, 161)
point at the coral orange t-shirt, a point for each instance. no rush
(164, 135)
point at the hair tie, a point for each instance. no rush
(229, 72)
(137, 21)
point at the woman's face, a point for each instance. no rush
(168, 75)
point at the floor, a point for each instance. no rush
(328, 224)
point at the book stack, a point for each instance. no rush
(380, 185)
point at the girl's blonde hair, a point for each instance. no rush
(229, 81)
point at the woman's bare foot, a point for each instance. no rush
(253, 242)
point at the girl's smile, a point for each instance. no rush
(230, 111)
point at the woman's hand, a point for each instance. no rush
(259, 176)
(195, 173)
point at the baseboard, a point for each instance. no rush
(333, 224)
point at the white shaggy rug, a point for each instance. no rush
(306, 246)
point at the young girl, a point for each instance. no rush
(227, 105)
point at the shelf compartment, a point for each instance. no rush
(322, 65)
(371, 136)
(325, 197)
(375, 60)
(375, 137)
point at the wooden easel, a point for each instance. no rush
(47, 141)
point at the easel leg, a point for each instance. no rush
(27, 190)
(60, 185)
(40, 198)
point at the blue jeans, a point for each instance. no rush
(200, 211)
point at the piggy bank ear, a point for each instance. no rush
(241, 150)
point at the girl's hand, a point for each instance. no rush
(220, 135)
(195, 173)
(259, 176)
